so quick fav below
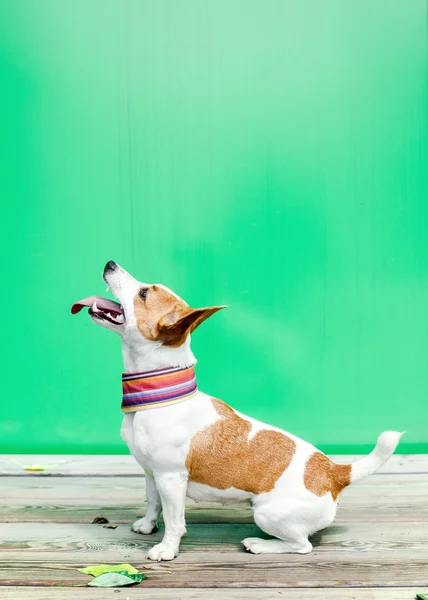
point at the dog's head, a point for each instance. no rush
(146, 313)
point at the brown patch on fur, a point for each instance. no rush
(323, 475)
(222, 457)
(164, 317)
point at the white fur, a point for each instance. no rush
(159, 439)
(386, 444)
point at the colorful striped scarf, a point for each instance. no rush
(162, 387)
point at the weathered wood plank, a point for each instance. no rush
(414, 510)
(115, 514)
(117, 555)
(342, 539)
(37, 593)
(122, 465)
(78, 491)
(220, 570)
(34, 593)
(70, 465)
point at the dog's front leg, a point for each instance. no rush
(148, 523)
(172, 489)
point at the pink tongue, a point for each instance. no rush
(102, 303)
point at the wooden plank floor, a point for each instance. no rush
(376, 549)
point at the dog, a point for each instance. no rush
(191, 444)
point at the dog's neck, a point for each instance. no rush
(156, 356)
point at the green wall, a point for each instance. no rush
(271, 155)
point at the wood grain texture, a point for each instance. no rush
(84, 491)
(219, 570)
(126, 465)
(341, 539)
(118, 514)
(36, 593)
(407, 511)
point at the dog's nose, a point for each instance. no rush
(110, 266)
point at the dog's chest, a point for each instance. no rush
(138, 446)
(149, 445)
(159, 438)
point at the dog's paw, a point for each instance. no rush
(253, 545)
(276, 546)
(162, 552)
(144, 526)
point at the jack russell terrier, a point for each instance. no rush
(191, 444)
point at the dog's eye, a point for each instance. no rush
(143, 293)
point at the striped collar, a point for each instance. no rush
(153, 389)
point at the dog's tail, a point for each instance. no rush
(386, 444)
(323, 475)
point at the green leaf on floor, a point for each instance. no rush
(97, 570)
(137, 577)
(421, 597)
(116, 579)
(38, 467)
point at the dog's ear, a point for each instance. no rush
(175, 326)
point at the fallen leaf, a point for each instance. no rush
(109, 526)
(99, 520)
(38, 467)
(137, 577)
(97, 570)
(421, 597)
(111, 580)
